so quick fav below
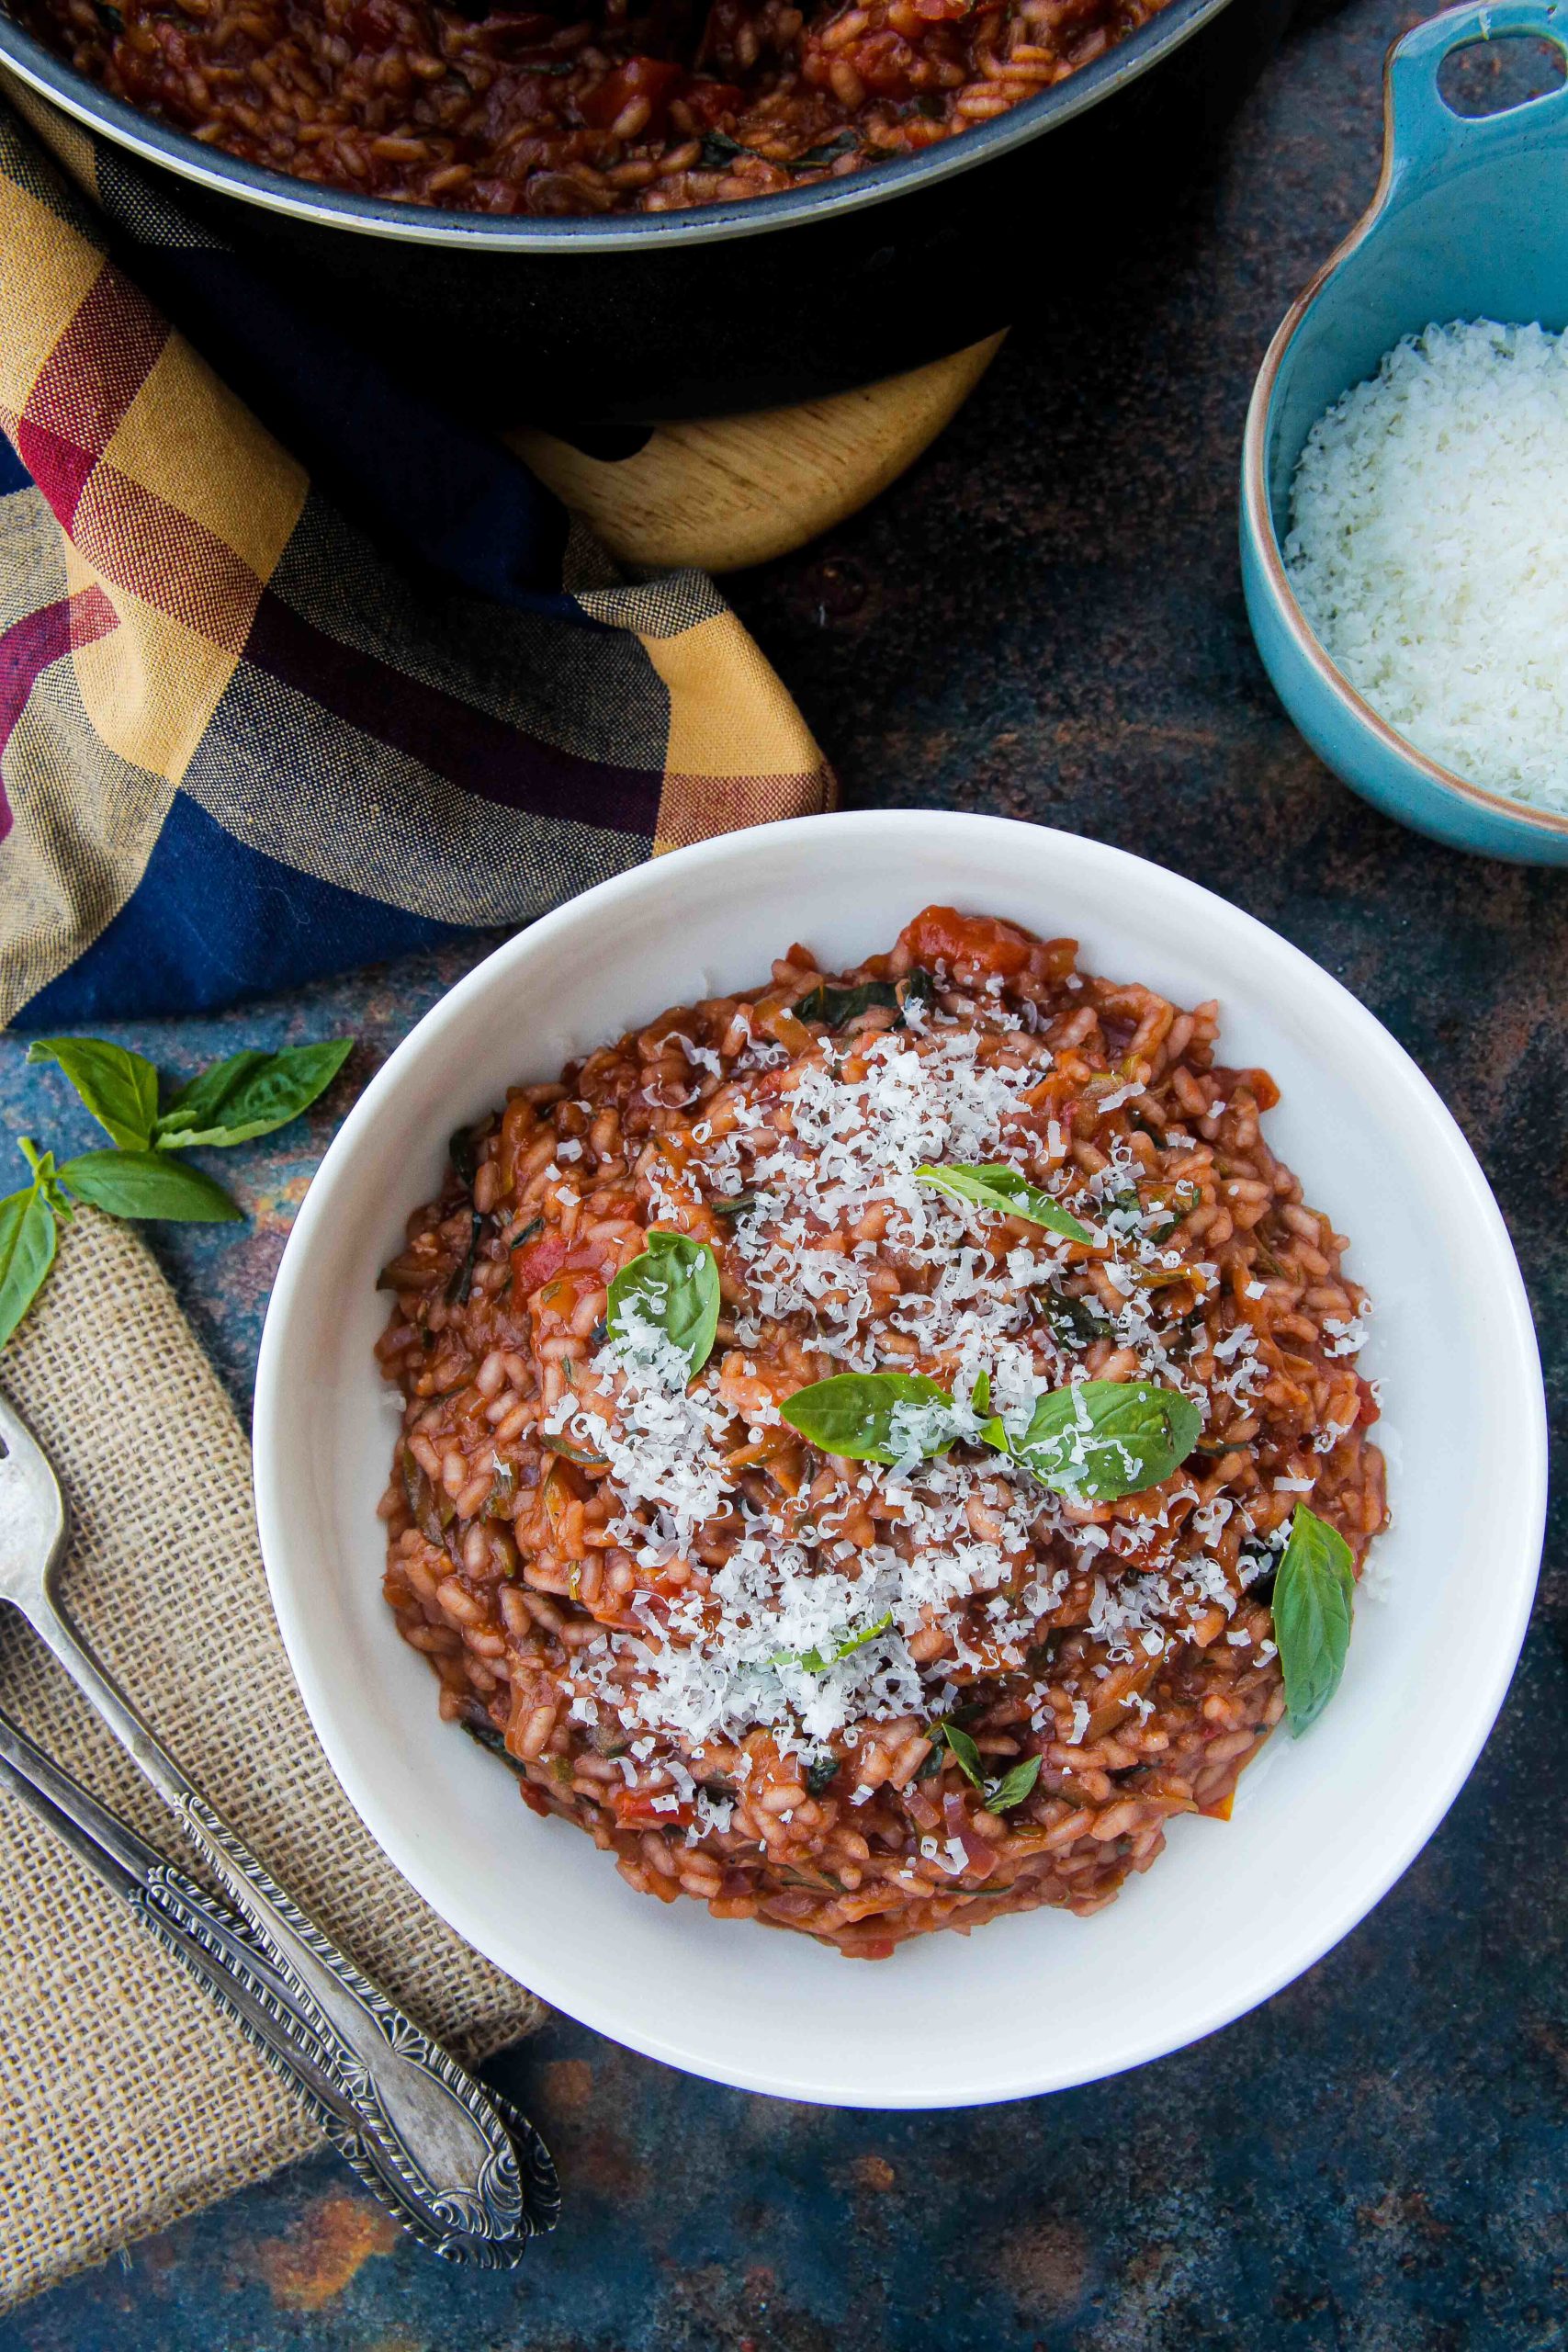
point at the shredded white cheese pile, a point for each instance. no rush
(1427, 551)
(810, 1630)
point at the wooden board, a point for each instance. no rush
(731, 491)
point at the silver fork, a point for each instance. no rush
(429, 2129)
(224, 1955)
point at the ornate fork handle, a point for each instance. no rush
(222, 1954)
(436, 2131)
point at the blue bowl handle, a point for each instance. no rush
(1425, 135)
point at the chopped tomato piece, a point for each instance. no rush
(1260, 1086)
(653, 78)
(538, 1262)
(942, 935)
(711, 103)
(375, 25)
(639, 1809)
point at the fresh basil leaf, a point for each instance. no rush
(859, 1415)
(119, 1087)
(1075, 1322)
(674, 1286)
(250, 1094)
(835, 1008)
(1013, 1787)
(146, 1184)
(27, 1254)
(816, 1661)
(852, 1642)
(980, 1395)
(198, 1105)
(1100, 1439)
(965, 1753)
(1313, 1603)
(1003, 1189)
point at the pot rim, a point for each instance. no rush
(158, 143)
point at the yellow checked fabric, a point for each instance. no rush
(192, 635)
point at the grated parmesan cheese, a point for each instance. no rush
(1426, 550)
(827, 1166)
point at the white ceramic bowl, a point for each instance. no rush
(1322, 1826)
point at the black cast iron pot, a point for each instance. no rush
(638, 316)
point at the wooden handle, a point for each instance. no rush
(726, 492)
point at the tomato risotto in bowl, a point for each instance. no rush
(861, 1337)
(853, 1430)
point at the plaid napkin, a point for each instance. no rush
(278, 697)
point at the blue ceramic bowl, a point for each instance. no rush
(1470, 221)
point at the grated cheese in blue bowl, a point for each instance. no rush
(1426, 550)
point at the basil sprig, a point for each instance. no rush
(999, 1795)
(994, 1185)
(863, 1415)
(1100, 1439)
(1313, 1603)
(248, 1094)
(1093, 1441)
(673, 1284)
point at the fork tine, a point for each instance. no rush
(34, 1519)
(22, 1447)
(16, 1436)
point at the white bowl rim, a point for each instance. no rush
(288, 1577)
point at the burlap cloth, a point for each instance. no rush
(125, 2099)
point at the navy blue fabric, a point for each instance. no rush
(213, 921)
(14, 475)
(423, 481)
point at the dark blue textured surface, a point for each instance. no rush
(1044, 620)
